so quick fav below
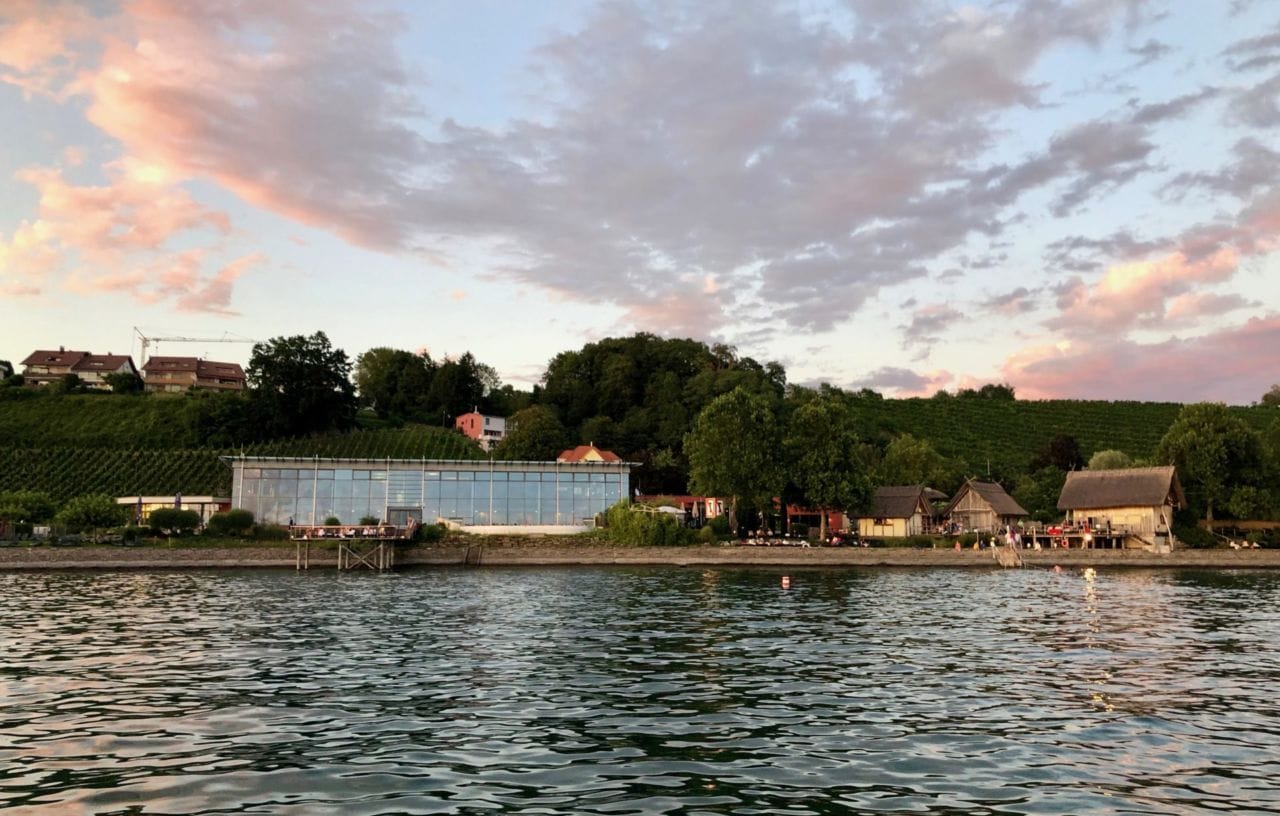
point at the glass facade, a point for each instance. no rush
(469, 493)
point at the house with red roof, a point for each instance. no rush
(588, 453)
(177, 374)
(42, 367)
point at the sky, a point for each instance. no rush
(1080, 199)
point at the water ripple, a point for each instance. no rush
(639, 691)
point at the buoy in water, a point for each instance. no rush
(786, 582)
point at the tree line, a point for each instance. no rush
(702, 418)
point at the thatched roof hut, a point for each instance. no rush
(983, 506)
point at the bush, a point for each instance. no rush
(1196, 538)
(719, 525)
(707, 535)
(332, 521)
(237, 523)
(967, 539)
(919, 542)
(429, 533)
(91, 512)
(131, 534)
(173, 520)
(626, 525)
(270, 532)
(369, 521)
(26, 505)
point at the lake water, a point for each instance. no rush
(640, 691)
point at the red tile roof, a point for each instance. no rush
(60, 357)
(102, 362)
(580, 453)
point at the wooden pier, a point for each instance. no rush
(363, 545)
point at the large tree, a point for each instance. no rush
(1272, 397)
(911, 461)
(302, 385)
(1215, 453)
(733, 451)
(533, 435)
(822, 458)
(394, 383)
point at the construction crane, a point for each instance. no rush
(147, 341)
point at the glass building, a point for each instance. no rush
(472, 493)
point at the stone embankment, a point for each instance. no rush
(555, 552)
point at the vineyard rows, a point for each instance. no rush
(67, 472)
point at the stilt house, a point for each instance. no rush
(983, 506)
(1138, 502)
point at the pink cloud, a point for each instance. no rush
(119, 237)
(1131, 292)
(1235, 365)
(36, 43)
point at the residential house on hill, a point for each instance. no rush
(983, 506)
(1138, 502)
(487, 430)
(92, 369)
(175, 374)
(898, 511)
(45, 367)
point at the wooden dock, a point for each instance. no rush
(359, 545)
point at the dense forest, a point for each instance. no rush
(652, 400)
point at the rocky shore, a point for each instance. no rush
(553, 552)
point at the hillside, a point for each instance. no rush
(64, 472)
(74, 444)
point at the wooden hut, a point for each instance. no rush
(983, 506)
(899, 511)
(1137, 503)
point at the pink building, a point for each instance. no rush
(487, 430)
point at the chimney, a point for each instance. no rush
(61, 349)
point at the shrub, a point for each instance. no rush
(230, 523)
(332, 521)
(131, 534)
(1196, 538)
(173, 520)
(369, 521)
(91, 512)
(919, 542)
(429, 533)
(626, 525)
(270, 532)
(26, 505)
(967, 539)
(707, 535)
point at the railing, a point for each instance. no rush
(347, 532)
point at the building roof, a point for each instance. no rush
(156, 364)
(895, 501)
(202, 368)
(221, 371)
(1001, 503)
(1130, 487)
(102, 362)
(586, 453)
(61, 357)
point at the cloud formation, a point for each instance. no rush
(707, 169)
(1221, 366)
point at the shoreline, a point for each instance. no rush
(494, 554)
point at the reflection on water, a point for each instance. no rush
(620, 691)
